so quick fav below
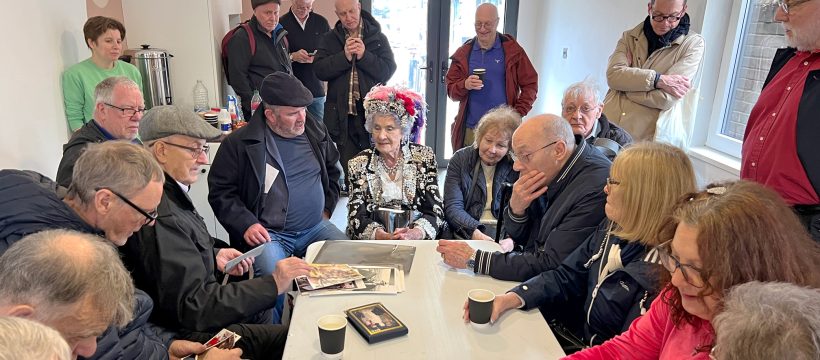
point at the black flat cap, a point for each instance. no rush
(256, 3)
(283, 89)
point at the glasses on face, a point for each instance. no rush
(194, 151)
(670, 18)
(692, 274)
(525, 158)
(786, 4)
(610, 182)
(489, 25)
(571, 109)
(149, 216)
(130, 112)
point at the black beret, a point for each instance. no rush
(281, 88)
(255, 3)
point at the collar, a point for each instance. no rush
(496, 44)
(580, 146)
(300, 22)
(185, 188)
(596, 129)
(104, 132)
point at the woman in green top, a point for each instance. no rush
(104, 37)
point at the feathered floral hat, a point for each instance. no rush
(400, 101)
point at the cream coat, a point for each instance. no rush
(635, 105)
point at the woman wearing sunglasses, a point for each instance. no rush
(614, 273)
(728, 234)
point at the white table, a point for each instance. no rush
(431, 307)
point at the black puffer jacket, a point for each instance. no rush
(376, 67)
(31, 202)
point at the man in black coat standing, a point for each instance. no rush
(353, 57)
(305, 29)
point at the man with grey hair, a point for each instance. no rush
(274, 181)
(305, 29)
(117, 113)
(584, 112)
(652, 74)
(114, 200)
(768, 321)
(177, 262)
(25, 339)
(55, 278)
(556, 203)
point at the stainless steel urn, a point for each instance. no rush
(156, 80)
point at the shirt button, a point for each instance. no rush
(525, 287)
(754, 164)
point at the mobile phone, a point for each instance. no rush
(313, 53)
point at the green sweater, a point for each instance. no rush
(79, 82)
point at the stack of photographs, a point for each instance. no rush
(326, 275)
(376, 279)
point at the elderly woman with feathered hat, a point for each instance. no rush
(395, 175)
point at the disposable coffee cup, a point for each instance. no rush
(481, 307)
(332, 335)
(480, 73)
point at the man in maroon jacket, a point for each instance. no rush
(508, 78)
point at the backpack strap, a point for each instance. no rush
(251, 38)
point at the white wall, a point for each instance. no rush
(589, 29)
(44, 37)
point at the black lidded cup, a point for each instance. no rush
(480, 73)
(332, 335)
(481, 307)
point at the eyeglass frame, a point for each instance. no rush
(665, 252)
(194, 151)
(489, 25)
(149, 217)
(123, 110)
(525, 158)
(785, 7)
(577, 108)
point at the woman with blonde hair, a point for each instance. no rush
(614, 272)
(727, 235)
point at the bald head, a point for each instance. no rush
(349, 13)
(543, 144)
(549, 126)
(486, 22)
(487, 10)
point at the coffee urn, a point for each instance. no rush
(156, 81)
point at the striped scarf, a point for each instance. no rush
(353, 92)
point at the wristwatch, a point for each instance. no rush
(471, 262)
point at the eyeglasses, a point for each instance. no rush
(786, 4)
(692, 274)
(571, 109)
(149, 216)
(194, 151)
(525, 158)
(662, 18)
(488, 25)
(130, 112)
(610, 182)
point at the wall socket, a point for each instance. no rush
(565, 53)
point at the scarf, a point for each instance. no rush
(353, 94)
(656, 41)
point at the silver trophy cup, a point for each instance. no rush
(393, 219)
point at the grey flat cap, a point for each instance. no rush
(167, 120)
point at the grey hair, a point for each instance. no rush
(25, 339)
(558, 128)
(652, 2)
(54, 269)
(370, 118)
(583, 88)
(104, 91)
(502, 118)
(117, 165)
(772, 320)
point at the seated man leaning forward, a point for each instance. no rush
(396, 176)
(177, 262)
(584, 111)
(275, 181)
(556, 203)
(476, 174)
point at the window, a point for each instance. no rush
(756, 38)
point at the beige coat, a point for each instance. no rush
(634, 104)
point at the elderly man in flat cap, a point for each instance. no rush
(274, 181)
(177, 262)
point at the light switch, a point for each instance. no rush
(565, 53)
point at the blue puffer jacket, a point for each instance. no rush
(611, 302)
(31, 202)
(462, 214)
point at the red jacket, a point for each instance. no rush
(521, 82)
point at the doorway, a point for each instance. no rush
(423, 34)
